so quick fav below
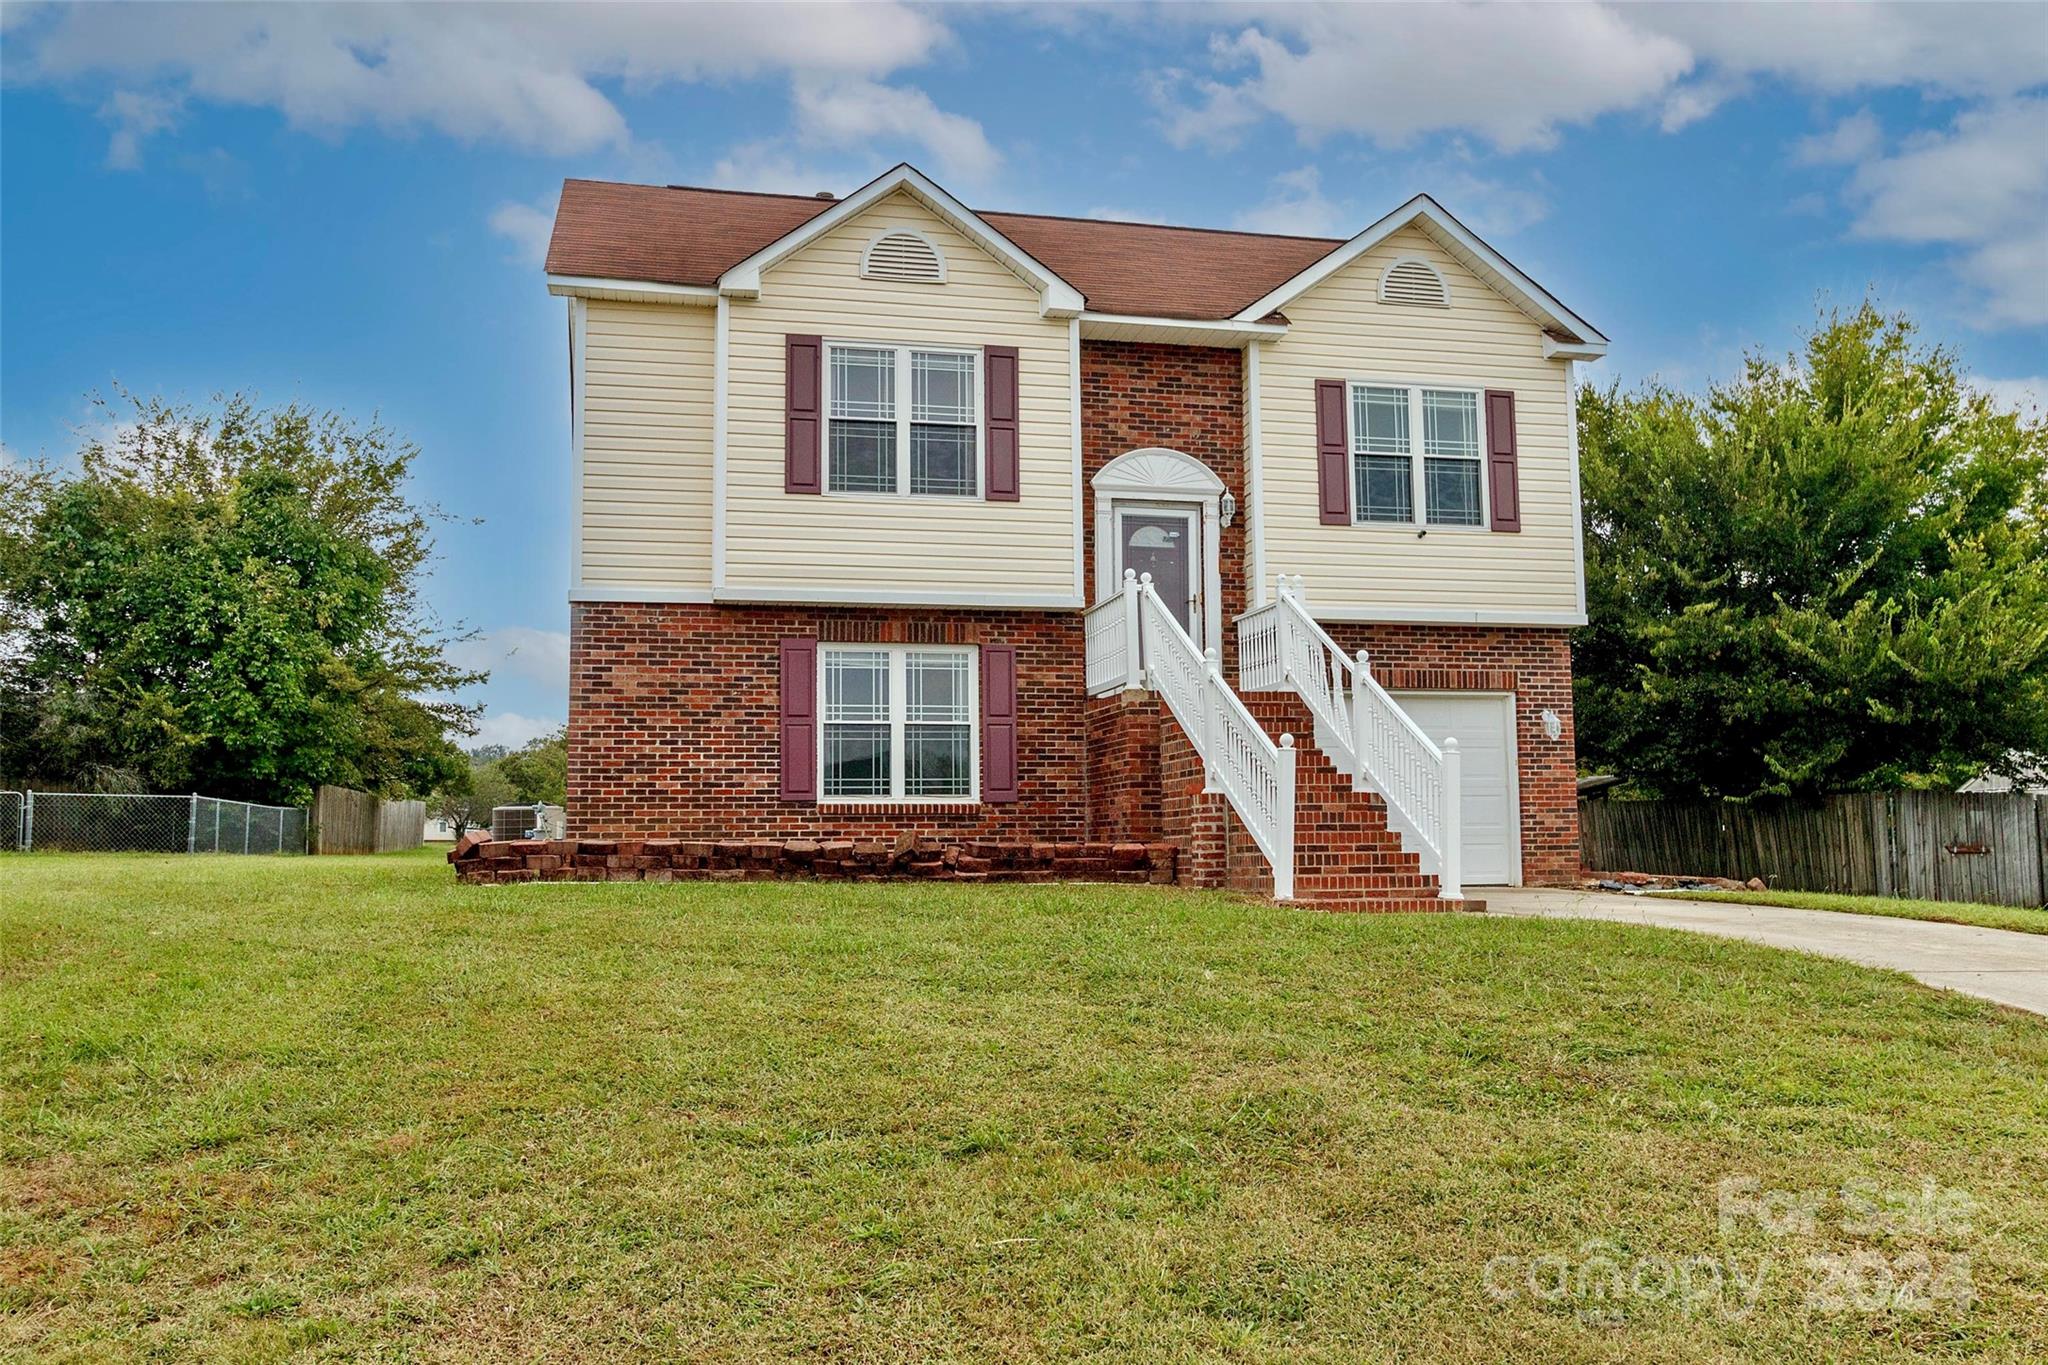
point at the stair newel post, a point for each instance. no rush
(1361, 719)
(1212, 720)
(1134, 658)
(1283, 866)
(1449, 825)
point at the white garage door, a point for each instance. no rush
(1482, 726)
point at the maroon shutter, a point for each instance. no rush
(799, 720)
(998, 723)
(999, 401)
(1333, 454)
(1503, 484)
(803, 423)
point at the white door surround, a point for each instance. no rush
(1165, 479)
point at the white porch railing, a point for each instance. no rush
(1134, 640)
(1280, 647)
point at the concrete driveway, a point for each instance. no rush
(1997, 964)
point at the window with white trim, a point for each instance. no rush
(898, 724)
(903, 419)
(1389, 484)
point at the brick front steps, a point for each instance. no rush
(908, 859)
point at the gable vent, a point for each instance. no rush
(1415, 282)
(903, 256)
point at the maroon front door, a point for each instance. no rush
(1162, 544)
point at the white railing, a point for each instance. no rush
(1111, 626)
(1280, 647)
(1135, 632)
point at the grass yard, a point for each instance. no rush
(2027, 921)
(268, 1109)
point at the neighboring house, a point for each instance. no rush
(859, 481)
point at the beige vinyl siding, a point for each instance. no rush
(647, 426)
(1339, 330)
(875, 543)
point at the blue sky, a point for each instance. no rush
(346, 205)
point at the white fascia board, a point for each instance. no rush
(1056, 298)
(1533, 298)
(697, 596)
(631, 291)
(1177, 331)
(1438, 616)
(895, 597)
(1553, 349)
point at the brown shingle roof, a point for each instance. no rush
(681, 235)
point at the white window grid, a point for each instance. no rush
(904, 704)
(1422, 408)
(909, 403)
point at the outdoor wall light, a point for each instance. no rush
(1227, 508)
(1552, 726)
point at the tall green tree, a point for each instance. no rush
(539, 770)
(1830, 574)
(224, 599)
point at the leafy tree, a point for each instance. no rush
(470, 797)
(224, 599)
(1830, 574)
(540, 770)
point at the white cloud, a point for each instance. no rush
(1953, 49)
(137, 115)
(1511, 75)
(527, 227)
(1490, 207)
(1981, 187)
(522, 74)
(1856, 138)
(854, 113)
(2028, 396)
(540, 657)
(1297, 207)
(511, 729)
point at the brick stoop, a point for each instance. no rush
(909, 858)
(1347, 859)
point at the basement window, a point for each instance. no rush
(898, 724)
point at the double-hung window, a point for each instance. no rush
(903, 419)
(897, 724)
(1389, 484)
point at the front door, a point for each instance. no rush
(1161, 542)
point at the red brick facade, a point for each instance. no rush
(1136, 394)
(673, 709)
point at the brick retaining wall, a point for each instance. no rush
(907, 859)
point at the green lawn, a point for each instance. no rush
(1951, 912)
(264, 1108)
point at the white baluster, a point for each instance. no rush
(1450, 832)
(1361, 719)
(1134, 658)
(1212, 714)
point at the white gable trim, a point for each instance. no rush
(1481, 259)
(1056, 298)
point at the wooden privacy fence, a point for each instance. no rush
(1930, 845)
(347, 821)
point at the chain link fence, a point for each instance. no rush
(133, 822)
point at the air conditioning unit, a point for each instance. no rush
(538, 821)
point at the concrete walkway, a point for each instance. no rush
(1997, 964)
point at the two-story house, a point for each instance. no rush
(895, 517)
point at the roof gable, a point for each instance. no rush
(1494, 269)
(1057, 298)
